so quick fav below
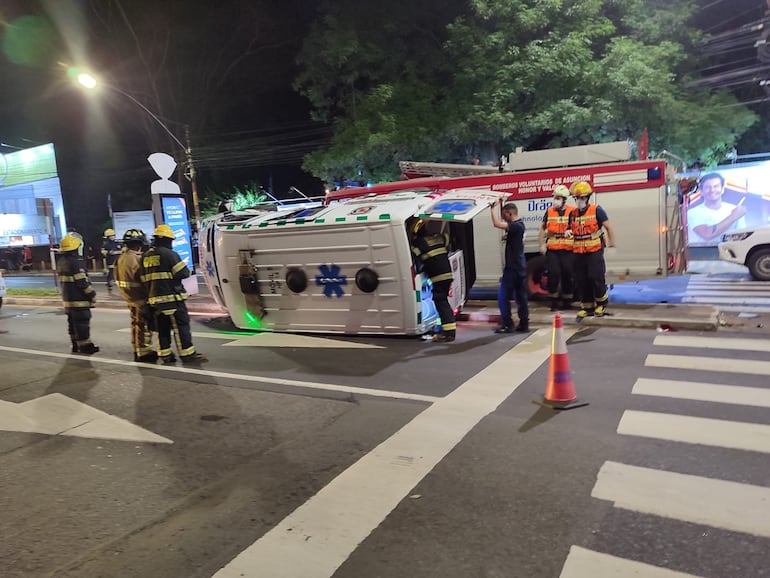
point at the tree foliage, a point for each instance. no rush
(439, 81)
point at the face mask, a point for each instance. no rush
(558, 202)
(582, 203)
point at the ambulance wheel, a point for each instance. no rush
(537, 278)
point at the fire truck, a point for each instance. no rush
(641, 198)
(345, 266)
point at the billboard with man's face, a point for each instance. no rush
(727, 198)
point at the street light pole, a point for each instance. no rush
(90, 82)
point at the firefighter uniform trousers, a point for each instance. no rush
(559, 264)
(174, 322)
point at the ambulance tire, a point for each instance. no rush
(367, 280)
(537, 277)
(296, 280)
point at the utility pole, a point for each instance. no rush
(193, 184)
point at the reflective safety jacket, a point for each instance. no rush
(556, 224)
(76, 290)
(431, 250)
(128, 278)
(587, 234)
(162, 273)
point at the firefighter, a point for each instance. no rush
(129, 282)
(111, 250)
(555, 241)
(430, 250)
(77, 295)
(162, 273)
(591, 231)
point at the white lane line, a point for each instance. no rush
(699, 391)
(719, 503)
(233, 376)
(737, 344)
(752, 437)
(584, 563)
(317, 538)
(721, 364)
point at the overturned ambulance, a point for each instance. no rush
(342, 268)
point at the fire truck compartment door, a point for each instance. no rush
(459, 205)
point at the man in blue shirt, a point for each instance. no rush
(513, 283)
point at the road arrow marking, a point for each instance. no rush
(56, 414)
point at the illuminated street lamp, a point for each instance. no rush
(88, 81)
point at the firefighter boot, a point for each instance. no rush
(601, 310)
(585, 311)
(194, 358)
(444, 337)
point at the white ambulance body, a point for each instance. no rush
(343, 268)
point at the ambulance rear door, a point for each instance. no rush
(458, 207)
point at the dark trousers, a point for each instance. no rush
(589, 279)
(177, 322)
(560, 273)
(441, 301)
(79, 325)
(513, 285)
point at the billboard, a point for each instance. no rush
(727, 198)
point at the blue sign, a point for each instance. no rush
(175, 216)
(331, 280)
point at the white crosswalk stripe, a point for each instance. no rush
(729, 294)
(710, 501)
(584, 563)
(718, 503)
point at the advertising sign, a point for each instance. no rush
(175, 216)
(727, 198)
(122, 221)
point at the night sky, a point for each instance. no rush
(223, 70)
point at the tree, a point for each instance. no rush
(507, 73)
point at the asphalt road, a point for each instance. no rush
(292, 455)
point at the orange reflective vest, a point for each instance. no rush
(587, 234)
(556, 224)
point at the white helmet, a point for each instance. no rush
(561, 191)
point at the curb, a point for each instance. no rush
(669, 317)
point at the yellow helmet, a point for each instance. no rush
(163, 231)
(109, 232)
(70, 243)
(581, 189)
(416, 226)
(561, 191)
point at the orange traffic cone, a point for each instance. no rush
(560, 391)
